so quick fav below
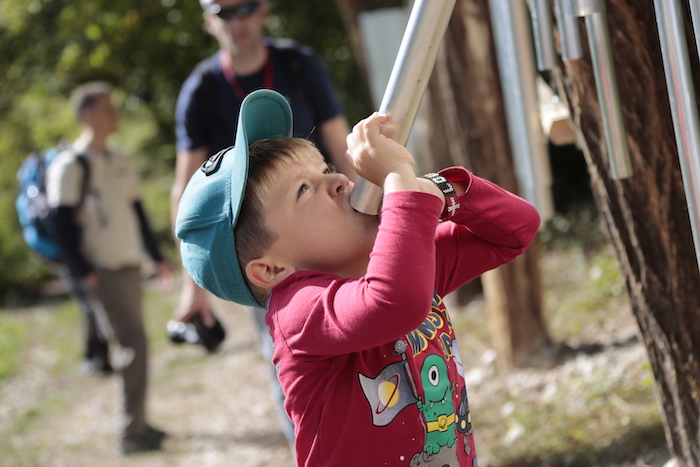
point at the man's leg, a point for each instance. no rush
(96, 354)
(120, 293)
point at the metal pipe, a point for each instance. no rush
(695, 17)
(571, 46)
(606, 83)
(681, 93)
(608, 96)
(517, 73)
(414, 64)
(541, 13)
(584, 7)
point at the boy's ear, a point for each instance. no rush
(267, 274)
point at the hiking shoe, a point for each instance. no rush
(155, 433)
(149, 441)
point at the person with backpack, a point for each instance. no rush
(207, 114)
(37, 230)
(101, 238)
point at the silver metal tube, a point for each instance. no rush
(584, 7)
(543, 29)
(570, 37)
(517, 73)
(409, 78)
(594, 12)
(695, 16)
(608, 95)
(681, 93)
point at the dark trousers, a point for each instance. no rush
(120, 294)
(96, 350)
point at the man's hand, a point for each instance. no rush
(194, 301)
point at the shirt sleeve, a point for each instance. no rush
(490, 228)
(319, 314)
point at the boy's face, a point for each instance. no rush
(308, 208)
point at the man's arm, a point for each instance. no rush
(334, 132)
(67, 234)
(193, 299)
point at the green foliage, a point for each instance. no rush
(145, 49)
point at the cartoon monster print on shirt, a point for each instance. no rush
(437, 408)
(443, 404)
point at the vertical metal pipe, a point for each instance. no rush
(541, 13)
(608, 95)
(517, 73)
(695, 16)
(594, 12)
(571, 45)
(681, 93)
(409, 78)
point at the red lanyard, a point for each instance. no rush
(268, 76)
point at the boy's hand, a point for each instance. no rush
(374, 155)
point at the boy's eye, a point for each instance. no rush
(302, 189)
(330, 169)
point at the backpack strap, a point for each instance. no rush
(83, 161)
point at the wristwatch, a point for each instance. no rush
(451, 203)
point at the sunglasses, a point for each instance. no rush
(241, 11)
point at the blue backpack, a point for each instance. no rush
(31, 204)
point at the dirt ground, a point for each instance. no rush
(216, 409)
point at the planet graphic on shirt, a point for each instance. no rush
(388, 394)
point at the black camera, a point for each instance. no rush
(195, 332)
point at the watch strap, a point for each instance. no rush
(451, 202)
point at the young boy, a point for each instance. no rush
(364, 348)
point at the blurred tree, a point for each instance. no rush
(146, 49)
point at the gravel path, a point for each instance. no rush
(216, 408)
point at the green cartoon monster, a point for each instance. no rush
(438, 407)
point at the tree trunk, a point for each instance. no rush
(468, 127)
(646, 216)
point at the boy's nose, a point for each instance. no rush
(338, 184)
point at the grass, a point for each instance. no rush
(12, 338)
(20, 333)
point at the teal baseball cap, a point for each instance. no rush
(210, 204)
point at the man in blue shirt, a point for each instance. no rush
(207, 110)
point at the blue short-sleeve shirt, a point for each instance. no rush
(207, 107)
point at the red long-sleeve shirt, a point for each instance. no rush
(370, 366)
